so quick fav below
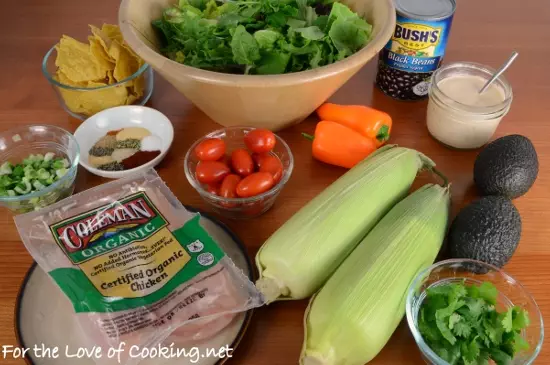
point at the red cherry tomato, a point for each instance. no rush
(210, 149)
(211, 172)
(212, 189)
(256, 157)
(260, 140)
(228, 188)
(226, 160)
(255, 184)
(242, 163)
(273, 165)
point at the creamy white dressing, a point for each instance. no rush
(465, 125)
(465, 90)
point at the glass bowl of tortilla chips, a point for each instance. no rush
(98, 75)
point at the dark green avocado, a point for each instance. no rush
(488, 230)
(508, 166)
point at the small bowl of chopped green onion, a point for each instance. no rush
(38, 166)
(464, 312)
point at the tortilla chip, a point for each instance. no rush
(110, 77)
(103, 39)
(63, 79)
(131, 99)
(94, 101)
(139, 86)
(134, 54)
(126, 65)
(76, 61)
(113, 32)
(99, 53)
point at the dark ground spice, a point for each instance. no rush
(139, 158)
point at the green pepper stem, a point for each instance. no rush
(308, 136)
(383, 133)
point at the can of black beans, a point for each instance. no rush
(416, 48)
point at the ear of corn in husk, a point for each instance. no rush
(299, 257)
(353, 316)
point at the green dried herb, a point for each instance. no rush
(112, 166)
(129, 143)
(100, 151)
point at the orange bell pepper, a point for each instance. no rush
(338, 145)
(367, 121)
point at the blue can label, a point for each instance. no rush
(411, 56)
(417, 45)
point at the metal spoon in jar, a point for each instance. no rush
(500, 71)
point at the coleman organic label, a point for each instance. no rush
(126, 250)
(118, 275)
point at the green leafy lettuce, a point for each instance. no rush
(260, 36)
(461, 324)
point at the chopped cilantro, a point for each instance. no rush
(462, 326)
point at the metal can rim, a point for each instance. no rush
(406, 14)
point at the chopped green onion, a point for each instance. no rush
(38, 185)
(6, 168)
(31, 173)
(19, 170)
(34, 173)
(29, 160)
(60, 164)
(23, 188)
(5, 181)
(61, 172)
(43, 174)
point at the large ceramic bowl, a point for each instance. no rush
(272, 101)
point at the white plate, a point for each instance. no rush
(95, 127)
(44, 315)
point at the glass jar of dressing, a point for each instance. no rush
(458, 116)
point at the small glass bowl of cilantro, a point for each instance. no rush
(38, 166)
(465, 312)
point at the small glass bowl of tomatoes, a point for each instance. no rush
(239, 171)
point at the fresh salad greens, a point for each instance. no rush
(35, 173)
(460, 324)
(260, 36)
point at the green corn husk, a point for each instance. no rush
(354, 315)
(299, 257)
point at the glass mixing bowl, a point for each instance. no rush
(18, 143)
(76, 99)
(239, 208)
(511, 293)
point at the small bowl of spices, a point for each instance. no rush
(120, 141)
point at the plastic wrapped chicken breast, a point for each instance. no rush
(136, 265)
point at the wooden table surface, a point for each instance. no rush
(483, 31)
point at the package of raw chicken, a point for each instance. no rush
(136, 265)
